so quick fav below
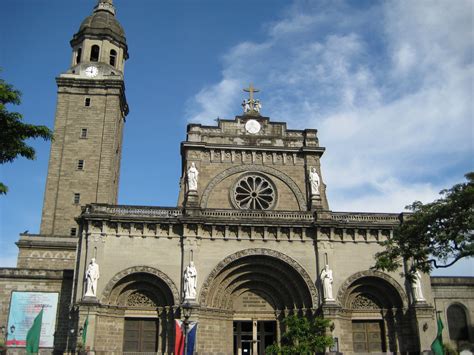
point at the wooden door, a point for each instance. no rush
(140, 335)
(367, 336)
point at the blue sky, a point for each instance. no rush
(388, 85)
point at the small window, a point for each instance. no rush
(73, 232)
(78, 55)
(83, 132)
(77, 198)
(80, 164)
(95, 50)
(113, 57)
(87, 101)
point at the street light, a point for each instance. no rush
(187, 310)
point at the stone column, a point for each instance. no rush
(426, 324)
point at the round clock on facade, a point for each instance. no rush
(252, 126)
(91, 71)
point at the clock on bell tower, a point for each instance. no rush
(91, 108)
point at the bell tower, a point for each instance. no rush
(84, 162)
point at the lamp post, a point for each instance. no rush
(187, 310)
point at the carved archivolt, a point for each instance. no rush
(135, 270)
(214, 274)
(253, 168)
(344, 290)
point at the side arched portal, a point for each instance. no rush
(146, 299)
(376, 309)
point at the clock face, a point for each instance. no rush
(252, 126)
(91, 71)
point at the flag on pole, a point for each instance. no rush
(179, 338)
(191, 338)
(84, 330)
(437, 345)
(34, 335)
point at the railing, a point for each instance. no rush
(140, 211)
(284, 215)
(365, 217)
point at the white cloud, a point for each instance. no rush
(388, 87)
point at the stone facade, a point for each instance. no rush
(257, 228)
(455, 292)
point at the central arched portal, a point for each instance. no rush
(255, 289)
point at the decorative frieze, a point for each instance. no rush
(242, 156)
(353, 235)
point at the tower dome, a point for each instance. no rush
(100, 38)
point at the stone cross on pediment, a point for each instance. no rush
(251, 106)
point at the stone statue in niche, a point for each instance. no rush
(314, 181)
(190, 282)
(92, 276)
(192, 177)
(327, 279)
(417, 290)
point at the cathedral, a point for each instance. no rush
(251, 240)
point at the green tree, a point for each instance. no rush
(436, 234)
(14, 132)
(302, 336)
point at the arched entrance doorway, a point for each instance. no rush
(375, 309)
(146, 298)
(255, 289)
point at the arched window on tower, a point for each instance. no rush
(95, 53)
(113, 57)
(78, 55)
(457, 323)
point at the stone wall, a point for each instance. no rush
(215, 333)
(449, 291)
(46, 252)
(109, 334)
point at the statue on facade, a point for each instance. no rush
(327, 279)
(417, 290)
(257, 106)
(314, 181)
(246, 106)
(192, 177)
(190, 282)
(251, 105)
(92, 276)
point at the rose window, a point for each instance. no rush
(254, 192)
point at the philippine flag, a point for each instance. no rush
(179, 337)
